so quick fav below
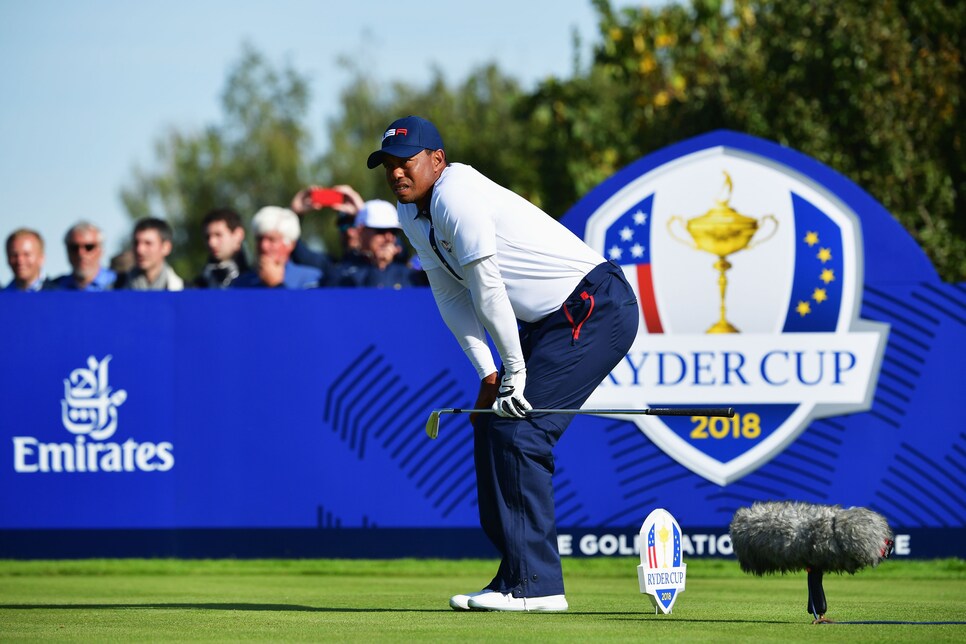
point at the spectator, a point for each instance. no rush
(225, 236)
(152, 245)
(85, 247)
(25, 255)
(348, 235)
(376, 264)
(276, 232)
(304, 202)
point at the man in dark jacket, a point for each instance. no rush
(225, 237)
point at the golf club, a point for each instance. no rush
(432, 425)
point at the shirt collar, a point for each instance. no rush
(426, 212)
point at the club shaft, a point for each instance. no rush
(727, 412)
(432, 425)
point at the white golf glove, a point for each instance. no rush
(510, 401)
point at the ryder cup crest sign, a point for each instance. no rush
(749, 275)
(662, 573)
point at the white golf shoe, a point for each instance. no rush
(461, 602)
(499, 601)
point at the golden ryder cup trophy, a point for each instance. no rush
(663, 535)
(722, 231)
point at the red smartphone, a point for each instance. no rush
(322, 197)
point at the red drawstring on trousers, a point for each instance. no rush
(576, 327)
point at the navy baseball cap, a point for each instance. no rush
(406, 137)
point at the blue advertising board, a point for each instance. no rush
(290, 423)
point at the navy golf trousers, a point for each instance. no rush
(568, 354)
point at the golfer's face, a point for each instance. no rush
(412, 179)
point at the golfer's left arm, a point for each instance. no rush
(495, 311)
(457, 310)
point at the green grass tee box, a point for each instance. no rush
(407, 600)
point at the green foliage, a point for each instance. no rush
(874, 90)
(258, 156)
(476, 119)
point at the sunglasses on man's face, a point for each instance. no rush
(76, 247)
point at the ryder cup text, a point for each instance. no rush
(823, 368)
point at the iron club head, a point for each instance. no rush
(432, 425)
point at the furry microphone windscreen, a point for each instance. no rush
(786, 536)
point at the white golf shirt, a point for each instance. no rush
(513, 262)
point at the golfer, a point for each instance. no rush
(560, 316)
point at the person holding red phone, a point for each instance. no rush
(347, 203)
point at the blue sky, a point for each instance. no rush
(88, 86)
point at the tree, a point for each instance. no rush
(872, 90)
(258, 156)
(476, 118)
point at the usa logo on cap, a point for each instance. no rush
(393, 131)
(749, 274)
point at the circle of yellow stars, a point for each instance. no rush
(827, 275)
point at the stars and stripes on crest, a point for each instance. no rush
(627, 242)
(676, 558)
(816, 297)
